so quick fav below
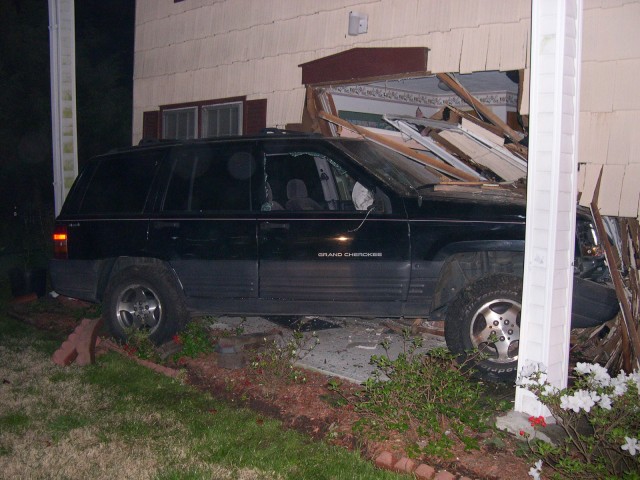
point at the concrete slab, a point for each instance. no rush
(519, 425)
(345, 345)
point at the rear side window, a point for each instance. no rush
(120, 184)
(212, 178)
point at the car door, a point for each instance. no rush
(315, 245)
(205, 227)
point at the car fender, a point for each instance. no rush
(466, 262)
(114, 265)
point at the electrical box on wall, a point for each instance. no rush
(358, 23)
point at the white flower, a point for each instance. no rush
(549, 390)
(605, 402)
(536, 470)
(599, 377)
(531, 367)
(631, 445)
(583, 368)
(619, 384)
(580, 400)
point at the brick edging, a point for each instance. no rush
(387, 461)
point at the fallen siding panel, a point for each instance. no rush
(630, 194)
(610, 188)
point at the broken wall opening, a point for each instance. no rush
(464, 137)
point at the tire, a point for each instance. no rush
(485, 316)
(146, 298)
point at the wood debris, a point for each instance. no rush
(477, 148)
(617, 343)
(470, 146)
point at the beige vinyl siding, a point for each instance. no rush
(205, 49)
(610, 106)
(199, 50)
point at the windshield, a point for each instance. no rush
(401, 173)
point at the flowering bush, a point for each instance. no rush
(600, 417)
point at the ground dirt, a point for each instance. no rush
(309, 407)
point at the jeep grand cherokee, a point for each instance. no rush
(304, 225)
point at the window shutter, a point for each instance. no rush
(151, 125)
(255, 116)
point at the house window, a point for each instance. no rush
(222, 120)
(211, 118)
(180, 123)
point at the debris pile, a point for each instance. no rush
(616, 345)
(475, 147)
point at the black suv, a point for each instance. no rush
(304, 225)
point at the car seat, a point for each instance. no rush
(298, 198)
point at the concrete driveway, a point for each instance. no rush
(345, 344)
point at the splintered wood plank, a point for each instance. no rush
(485, 111)
(629, 329)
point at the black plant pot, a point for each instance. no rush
(25, 281)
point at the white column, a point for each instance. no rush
(556, 28)
(62, 52)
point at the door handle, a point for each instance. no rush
(158, 225)
(274, 226)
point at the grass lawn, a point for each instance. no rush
(116, 419)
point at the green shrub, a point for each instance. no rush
(427, 397)
(195, 339)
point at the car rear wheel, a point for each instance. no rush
(485, 316)
(144, 298)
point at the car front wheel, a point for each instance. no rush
(144, 298)
(485, 316)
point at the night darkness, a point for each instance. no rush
(104, 80)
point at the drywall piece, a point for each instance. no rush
(478, 131)
(484, 155)
(432, 146)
